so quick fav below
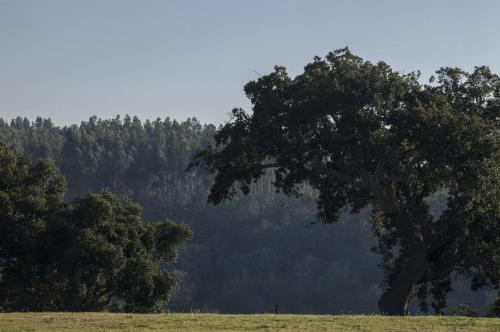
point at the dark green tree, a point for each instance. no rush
(89, 255)
(363, 135)
(29, 196)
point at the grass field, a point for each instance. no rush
(13, 322)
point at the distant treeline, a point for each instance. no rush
(258, 253)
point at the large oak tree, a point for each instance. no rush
(365, 136)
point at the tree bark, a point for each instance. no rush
(394, 300)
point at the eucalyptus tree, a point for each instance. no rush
(364, 135)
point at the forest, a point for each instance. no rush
(265, 252)
(249, 165)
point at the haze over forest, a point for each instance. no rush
(247, 255)
(237, 157)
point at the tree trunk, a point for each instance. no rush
(394, 301)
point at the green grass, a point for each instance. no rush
(92, 322)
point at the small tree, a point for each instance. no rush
(82, 256)
(364, 135)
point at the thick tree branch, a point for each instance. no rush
(268, 165)
(438, 272)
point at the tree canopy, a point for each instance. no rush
(87, 255)
(363, 135)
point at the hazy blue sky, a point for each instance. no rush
(70, 59)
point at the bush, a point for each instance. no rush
(466, 310)
(495, 307)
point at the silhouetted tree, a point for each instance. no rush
(363, 135)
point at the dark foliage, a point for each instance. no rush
(365, 136)
(247, 255)
(84, 256)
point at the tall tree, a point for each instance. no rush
(364, 135)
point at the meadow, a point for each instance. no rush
(74, 322)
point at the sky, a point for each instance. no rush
(69, 60)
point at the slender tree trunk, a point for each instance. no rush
(394, 301)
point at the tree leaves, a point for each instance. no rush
(363, 135)
(82, 256)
